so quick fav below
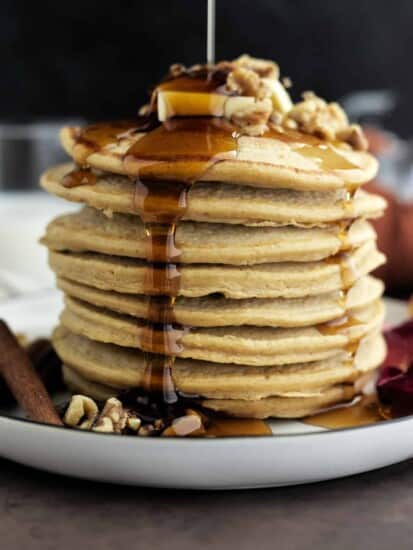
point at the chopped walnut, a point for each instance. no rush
(253, 118)
(258, 79)
(263, 67)
(354, 136)
(314, 116)
(113, 417)
(148, 430)
(159, 424)
(176, 70)
(286, 82)
(246, 82)
(243, 82)
(225, 66)
(81, 412)
(328, 121)
(108, 213)
(133, 423)
(145, 109)
(276, 119)
(290, 124)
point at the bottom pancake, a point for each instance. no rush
(283, 407)
(275, 407)
(124, 368)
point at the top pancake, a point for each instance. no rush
(224, 202)
(293, 162)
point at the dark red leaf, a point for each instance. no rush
(397, 351)
(395, 390)
(405, 331)
(395, 381)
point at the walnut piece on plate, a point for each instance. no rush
(113, 418)
(81, 412)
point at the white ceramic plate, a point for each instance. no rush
(297, 453)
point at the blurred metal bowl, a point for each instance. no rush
(28, 149)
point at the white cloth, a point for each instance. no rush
(23, 261)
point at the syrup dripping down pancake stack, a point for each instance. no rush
(223, 249)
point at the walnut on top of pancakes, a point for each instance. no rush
(254, 99)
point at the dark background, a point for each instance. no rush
(96, 59)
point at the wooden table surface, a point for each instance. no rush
(48, 512)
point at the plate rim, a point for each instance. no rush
(40, 426)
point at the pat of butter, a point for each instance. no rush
(173, 103)
(176, 103)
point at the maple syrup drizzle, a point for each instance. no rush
(192, 146)
(339, 326)
(348, 202)
(343, 235)
(342, 299)
(230, 427)
(349, 275)
(364, 411)
(95, 137)
(198, 80)
(326, 155)
(79, 176)
(182, 150)
(348, 269)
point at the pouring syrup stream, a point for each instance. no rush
(211, 32)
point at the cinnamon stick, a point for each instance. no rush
(23, 381)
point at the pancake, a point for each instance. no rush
(281, 407)
(240, 345)
(225, 202)
(277, 161)
(121, 235)
(78, 384)
(123, 368)
(213, 311)
(287, 280)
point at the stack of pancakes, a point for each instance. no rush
(283, 317)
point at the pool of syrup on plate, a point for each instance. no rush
(362, 412)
